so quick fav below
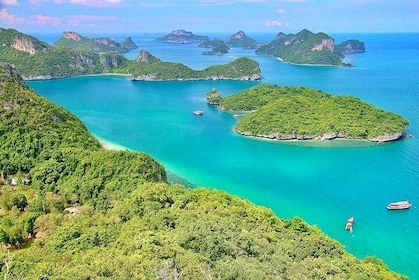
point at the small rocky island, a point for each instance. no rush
(181, 36)
(301, 113)
(241, 40)
(218, 46)
(75, 41)
(305, 47)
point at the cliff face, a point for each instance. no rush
(326, 44)
(9, 70)
(72, 36)
(145, 56)
(22, 42)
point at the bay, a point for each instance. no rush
(324, 183)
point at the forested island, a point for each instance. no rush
(75, 41)
(149, 68)
(72, 210)
(37, 60)
(306, 47)
(301, 113)
(181, 36)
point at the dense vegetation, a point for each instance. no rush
(304, 113)
(155, 69)
(218, 46)
(306, 47)
(75, 41)
(240, 39)
(126, 222)
(181, 36)
(46, 62)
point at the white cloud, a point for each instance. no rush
(8, 18)
(9, 2)
(276, 23)
(280, 11)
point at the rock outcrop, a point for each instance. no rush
(128, 44)
(7, 69)
(145, 56)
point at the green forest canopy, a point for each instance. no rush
(301, 112)
(129, 223)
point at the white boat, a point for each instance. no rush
(198, 112)
(349, 224)
(399, 205)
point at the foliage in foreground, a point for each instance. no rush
(304, 113)
(170, 232)
(129, 223)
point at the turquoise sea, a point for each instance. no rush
(324, 183)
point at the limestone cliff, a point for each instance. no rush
(21, 42)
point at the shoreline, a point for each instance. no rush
(110, 146)
(76, 76)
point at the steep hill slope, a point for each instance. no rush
(124, 222)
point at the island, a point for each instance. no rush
(75, 41)
(218, 46)
(241, 40)
(149, 68)
(70, 209)
(37, 60)
(181, 36)
(305, 47)
(301, 113)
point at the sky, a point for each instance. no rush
(204, 16)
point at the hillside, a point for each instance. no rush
(301, 113)
(83, 212)
(306, 47)
(75, 41)
(240, 39)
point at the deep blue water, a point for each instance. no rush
(323, 183)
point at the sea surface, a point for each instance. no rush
(325, 183)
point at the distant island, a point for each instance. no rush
(218, 46)
(301, 113)
(75, 41)
(149, 68)
(241, 40)
(305, 47)
(181, 36)
(37, 60)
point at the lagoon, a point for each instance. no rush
(325, 183)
